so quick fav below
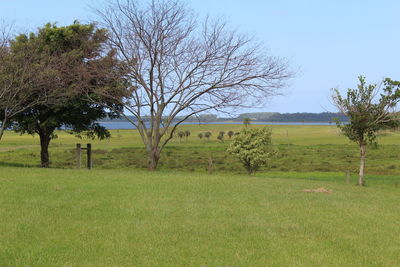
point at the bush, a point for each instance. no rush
(253, 147)
(207, 135)
(180, 135)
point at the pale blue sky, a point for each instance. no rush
(329, 42)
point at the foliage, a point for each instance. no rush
(246, 122)
(253, 147)
(368, 114)
(230, 134)
(207, 135)
(200, 135)
(187, 134)
(81, 66)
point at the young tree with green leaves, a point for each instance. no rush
(369, 108)
(83, 65)
(246, 122)
(187, 134)
(253, 147)
(207, 135)
(181, 134)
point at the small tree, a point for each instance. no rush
(220, 137)
(187, 134)
(230, 134)
(246, 122)
(200, 135)
(181, 134)
(207, 135)
(367, 114)
(222, 133)
(253, 147)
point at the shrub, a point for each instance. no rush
(180, 135)
(200, 135)
(207, 135)
(253, 147)
(230, 134)
(187, 134)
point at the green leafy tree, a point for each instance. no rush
(246, 122)
(253, 147)
(20, 80)
(181, 134)
(220, 138)
(230, 134)
(367, 114)
(82, 65)
(200, 135)
(207, 135)
(187, 134)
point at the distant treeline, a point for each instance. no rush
(262, 116)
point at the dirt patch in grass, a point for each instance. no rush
(317, 190)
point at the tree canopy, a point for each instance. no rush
(182, 67)
(82, 66)
(369, 108)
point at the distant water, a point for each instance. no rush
(123, 125)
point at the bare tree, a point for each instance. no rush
(180, 66)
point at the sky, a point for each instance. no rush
(328, 43)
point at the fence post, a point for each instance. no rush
(210, 167)
(79, 155)
(89, 156)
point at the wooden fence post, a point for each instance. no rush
(210, 167)
(89, 156)
(79, 155)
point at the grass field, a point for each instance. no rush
(301, 149)
(59, 217)
(121, 215)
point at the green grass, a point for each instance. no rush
(301, 149)
(58, 217)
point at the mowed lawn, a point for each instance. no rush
(131, 217)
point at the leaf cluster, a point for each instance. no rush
(368, 109)
(253, 147)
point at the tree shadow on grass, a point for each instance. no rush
(19, 165)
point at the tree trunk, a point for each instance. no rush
(2, 128)
(361, 181)
(154, 156)
(44, 150)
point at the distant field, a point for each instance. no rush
(301, 149)
(59, 217)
